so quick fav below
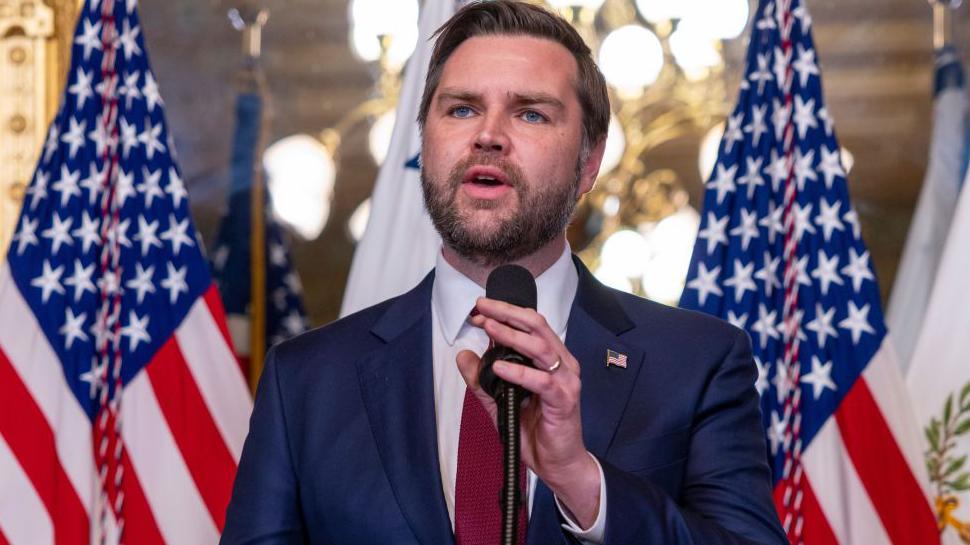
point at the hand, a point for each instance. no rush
(552, 434)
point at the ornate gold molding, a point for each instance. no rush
(35, 52)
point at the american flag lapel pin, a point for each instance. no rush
(615, 359)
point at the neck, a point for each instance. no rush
(536, 263)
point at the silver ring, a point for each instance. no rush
(553, 367)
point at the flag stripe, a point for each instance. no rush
(839, 491)
(218, 312)
(178, 509)
(198, 440)
(32, 443)
(141, 526)
(32, 359)
(888, 388)
(23, 517)
(214, 368)
(817, 530)
(883, 470)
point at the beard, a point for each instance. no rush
(541, 214)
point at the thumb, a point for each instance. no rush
(469, 365)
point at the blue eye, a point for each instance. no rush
(461, 111)
(532, 116)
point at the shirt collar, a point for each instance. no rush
(453, 295)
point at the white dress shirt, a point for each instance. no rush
(452, 299)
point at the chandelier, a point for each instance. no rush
(664, 63)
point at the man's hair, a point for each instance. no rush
(510, 18)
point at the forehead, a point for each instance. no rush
(511, 64)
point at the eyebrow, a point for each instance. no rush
(520, 99)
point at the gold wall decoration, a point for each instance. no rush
(35, 51)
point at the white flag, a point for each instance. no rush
(399, 245)
(939, 378)
(937, 200)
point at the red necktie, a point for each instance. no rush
(478, 484)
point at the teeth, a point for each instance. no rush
(486, 178)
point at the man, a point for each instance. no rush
(644, 424)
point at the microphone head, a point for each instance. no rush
(512, 284)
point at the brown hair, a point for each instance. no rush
(506, 17)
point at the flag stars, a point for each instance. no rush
(777, 169)
(801, 268)
(93, 375)
(80, 280)
(803, 221)
(804, 115)
(761, 383)
(124, 187)
(175, 187)
(128, 40)
(118, 234)
(762, 75)
(73, 328)
(129, 137)
(59, 233)
(780, 66)
(136, 330)
(826, 119)
(88, 231)
(146, 235)
(94, 182)
(50, 146)
(723, 182)
(828, 218)
(142, 282)
(738, 321)
(757, 127)
(765, 326)
(27, 235)
(81, 88)
(822, 324)
(150, 138)
(99, 135)
(150, 91)
(741, 281)
(820, 378)
(732, 133)
(292, 282)
(130, 89)
(776, 432)
(752, 177)
(49, 281)
(831, 166)
(781, 381)
(175, 282)
(826, 272)
(858, 269)
(769, 273)
(857, 322)
(177, 234)
(67, 185)
(747, 229)
(149, 187)
(852, 218)
(706, 282)
(714, 232)
(90, 38)
(804, 170)
(772, 221)
(779, 117)
(75, 136)
(277, 254)
(805, 64)
(294, 323)
(109, 283)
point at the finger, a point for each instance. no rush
(524, 319)
(530, 322)
(552, 390)
(527, 344)
(469, 365)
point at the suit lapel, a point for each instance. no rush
(397, 385)
(596, 322)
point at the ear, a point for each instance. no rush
(590, 170)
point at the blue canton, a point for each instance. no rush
(737, 269)
(56, 256)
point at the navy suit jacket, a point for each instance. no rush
(342, 446)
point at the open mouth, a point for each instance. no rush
(485, 177)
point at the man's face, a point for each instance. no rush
(501, 170)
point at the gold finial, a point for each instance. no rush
(250, 19)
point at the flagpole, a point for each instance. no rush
(942, 22)
(251, 22)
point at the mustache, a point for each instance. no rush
(512, 172)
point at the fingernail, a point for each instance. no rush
(500, 365)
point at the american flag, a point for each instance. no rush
(780, 254)
(122, 408)
(285, 316)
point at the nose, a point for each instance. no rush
(492, 136)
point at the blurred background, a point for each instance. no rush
(330, 76)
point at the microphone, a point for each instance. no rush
(514, 285)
